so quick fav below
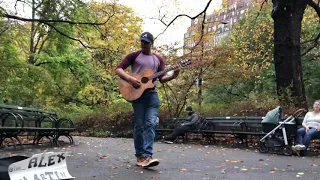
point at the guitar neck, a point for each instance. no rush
(160, 73)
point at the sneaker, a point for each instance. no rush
(140, 160)
(168, 142)
(299, 147)
(149, 162)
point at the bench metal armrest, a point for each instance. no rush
(61, 120)
(17, 118)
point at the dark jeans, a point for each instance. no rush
(145, 115)
(178, 131)
(305, 138)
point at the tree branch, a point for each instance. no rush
(314, 6)
(55, 20)
(315, 44)
(62, 33)
(182, 15)
(315, 40)
(49, 22)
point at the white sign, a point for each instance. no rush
(44, 166)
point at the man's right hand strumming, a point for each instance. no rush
(134, 82)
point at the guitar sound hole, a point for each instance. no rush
(144, 80)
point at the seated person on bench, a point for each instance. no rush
(310, 129)
(189, 124)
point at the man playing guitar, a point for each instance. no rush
(146, 107)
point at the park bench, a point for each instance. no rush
(242, 128)
(18, 121)
(234, 126)
(167, 126)
(208, 127)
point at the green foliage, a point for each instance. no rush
(310, 61)
(249, 68)
(57, 73)
(79, 83)
(95, 133)
(115, 119)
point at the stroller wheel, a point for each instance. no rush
(287, 150)
(263, 148)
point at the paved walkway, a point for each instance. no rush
(108, 158)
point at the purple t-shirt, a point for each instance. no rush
(140, 62)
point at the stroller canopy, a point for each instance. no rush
(273, 116)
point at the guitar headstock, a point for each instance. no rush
(185, 62)
(181, 64)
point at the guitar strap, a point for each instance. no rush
(154, 62)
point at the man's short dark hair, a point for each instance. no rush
(188, 108)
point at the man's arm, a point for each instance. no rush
(122, 74)
(194, 120)
(128, 60)
(167, 78)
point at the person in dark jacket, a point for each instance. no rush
(189, 124)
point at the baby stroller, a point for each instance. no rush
(281, 132)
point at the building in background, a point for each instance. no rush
(217, 25)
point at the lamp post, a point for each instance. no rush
(200, 77)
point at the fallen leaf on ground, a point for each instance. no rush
(103, 157)
(254, 168)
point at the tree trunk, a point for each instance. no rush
(31, 48)
(287, 16)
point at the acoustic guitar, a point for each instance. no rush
(130, 93)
